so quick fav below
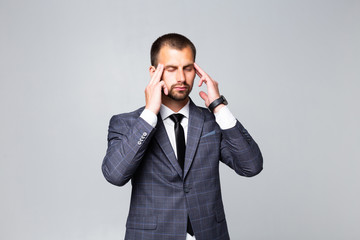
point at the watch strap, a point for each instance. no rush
(217, 102)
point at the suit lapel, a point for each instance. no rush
(195, 126)
(164, 143)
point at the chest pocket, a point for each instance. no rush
(211, 137)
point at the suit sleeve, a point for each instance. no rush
(240, 152)
(128, 139)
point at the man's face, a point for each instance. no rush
(179, 71)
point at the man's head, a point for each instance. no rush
(172, 40)
(177, 54)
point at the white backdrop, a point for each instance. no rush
(290, 70)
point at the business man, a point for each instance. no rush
(171, 148)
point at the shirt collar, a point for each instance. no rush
(165, 112)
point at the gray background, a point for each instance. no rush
(290, 70)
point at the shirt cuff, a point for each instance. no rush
(225, 119)
(149, 117)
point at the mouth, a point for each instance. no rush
(180, 88)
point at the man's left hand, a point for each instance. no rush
(212, 88)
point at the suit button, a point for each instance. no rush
(139, 142)
(186, 189)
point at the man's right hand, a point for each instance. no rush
(153, 90)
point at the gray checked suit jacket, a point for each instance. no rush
(162, 195)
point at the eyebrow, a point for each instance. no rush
(170, 66)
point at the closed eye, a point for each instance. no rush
(189, 69)
(170, 69)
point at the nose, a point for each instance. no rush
(181, 76)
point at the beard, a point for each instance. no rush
(179, 95)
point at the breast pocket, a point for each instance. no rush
(210, 136)
(138, 221)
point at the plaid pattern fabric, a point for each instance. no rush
(162, 196)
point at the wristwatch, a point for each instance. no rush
(217, 102)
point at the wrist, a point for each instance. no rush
(152, 109)
(216, 103)
(217, 109)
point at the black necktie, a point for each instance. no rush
(180, 149)
(180, 138)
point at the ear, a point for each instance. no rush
(152, 70)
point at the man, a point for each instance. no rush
(170, 149)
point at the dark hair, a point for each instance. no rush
(173, 40)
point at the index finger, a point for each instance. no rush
(158, 73)
(199, 71)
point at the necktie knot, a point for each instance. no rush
(176, 117)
